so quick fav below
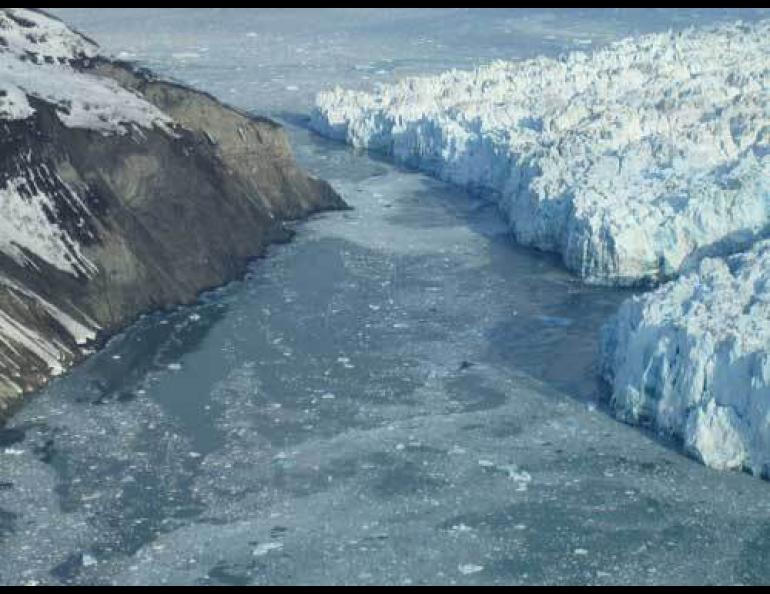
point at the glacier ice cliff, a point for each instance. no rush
(691, 358)
(120, 193)
(641, 162)
(633, 162)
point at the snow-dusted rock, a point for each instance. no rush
(119, 193)
(38, 55)
(692, 358)
(633, 161)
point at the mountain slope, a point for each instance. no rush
(120, 193)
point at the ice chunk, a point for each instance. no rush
(265, 547)
(469, 568)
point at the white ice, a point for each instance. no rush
(692, 359)
(631, 161)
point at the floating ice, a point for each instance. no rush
(580, 552)
(265, 547)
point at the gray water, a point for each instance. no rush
(400, 395)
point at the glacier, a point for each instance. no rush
(643, 162)
(633, 162)
(692, 359)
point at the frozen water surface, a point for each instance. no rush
(400, 395)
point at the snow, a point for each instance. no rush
(40, 38)
(691, 358)
(39, 58)
(36, 59)
(14, 335)
(30, 236)
(26, 230)
(82, 332)
(633, 161)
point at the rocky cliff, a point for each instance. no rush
(120, 193)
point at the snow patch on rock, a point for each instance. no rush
(27, 229)
(37, 56)
(693, 359)
(633, 161)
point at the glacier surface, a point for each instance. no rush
(634, 161)
(691, 358)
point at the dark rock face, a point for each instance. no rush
(143, 219)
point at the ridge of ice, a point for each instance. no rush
(692, 358)
(633, 161)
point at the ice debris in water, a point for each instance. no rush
(469, 568)
(265, 547)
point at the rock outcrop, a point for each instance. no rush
(120, 193)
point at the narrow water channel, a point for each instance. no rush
(399, 395)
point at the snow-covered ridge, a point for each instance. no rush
(32, 35)
(693, 358)
(633, 161)
(36, 60)
(27, 229)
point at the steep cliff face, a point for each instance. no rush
(120, 193)
(633, 162)
(692, 359)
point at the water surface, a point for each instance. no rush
(400, 395)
